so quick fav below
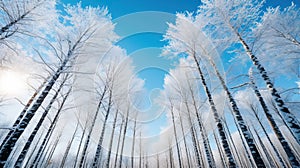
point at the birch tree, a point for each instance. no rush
(21, 17)
(179, 43)
(235, 19)
(38, 125)
(272, 121)
(78, 35)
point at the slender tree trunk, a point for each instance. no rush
(13, 22)
(157, 160)
(118, 145)
(184, 140)
(54, 146)
(241, 123)
(266, 152)
(202, 157)
(50, 129)
(80, 143)
(232, 142)
(22, 155)
(133, 144)
(171, 157)
(33, 150)
(291, 156)
(140, 159)
(62, 165)
(23, 112)
(249, 158)
(289, 117)
(11, 142)
(111, 139)
(175, 135)
(83, 155)
(218, 121)
(268, 137)
(198, 159)
(221, 154)
(124, 136)
(208, 152)
(99, 146)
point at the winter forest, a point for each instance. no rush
(70, 96)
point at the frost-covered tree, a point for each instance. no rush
(182, 41)
(84, 28)
(278, 40)
(233, 20)
(21, 19)
(38, 125)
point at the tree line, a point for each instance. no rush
(236, 118)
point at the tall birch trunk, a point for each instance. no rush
(198, 158)
(241, 122)
(80, 143)
(111, 139)
(50, 130)
(133, 144)
(289, 117)
(22, 155)
(118, 145)
(12, 140)
(62, 165)
(184, 141)
(175, 135)
(83, 155)
(23, 112)
(208, 152)
(124, 136)
(99, 146)
(291, 156)
(218, 121)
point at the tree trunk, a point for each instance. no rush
(62, 165)
(124, 136)
(247, 153)
(171, 157)
(111, 139)
(265, 150)
(208, 152)
(175, 135)
(99, 146)
(11, 142)
(54, 146)
(118, 145)
(80, 143)
(292, 158)
(37, 127)
(13, 22)
(232, 142)
(34, 149)
(50, 130)
(218, 121)
(133, 144)
(221, 154)
(241, 123)
(198, 159)
(289, 117)
(184, 140)
(23, 112)
(91, 129)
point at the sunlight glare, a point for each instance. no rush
(12, 83)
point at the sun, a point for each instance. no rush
(12, 83)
